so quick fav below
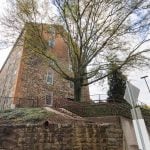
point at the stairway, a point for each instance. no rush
(65, 113)
(69, 113)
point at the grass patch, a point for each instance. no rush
(32, 115)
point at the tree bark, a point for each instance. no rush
(78, 90)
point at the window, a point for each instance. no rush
(70, 67)
(49, 78)
(71, 84)
(51, 43)
(51, 63)
(51, 31)
(49, 99)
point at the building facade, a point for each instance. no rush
(27, 79)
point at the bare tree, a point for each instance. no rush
(95, 32)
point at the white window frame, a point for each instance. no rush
(51, 43)
(70, 68)
(51, 101)
(52, 78)
(52, 31)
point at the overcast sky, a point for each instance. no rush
(134, 76)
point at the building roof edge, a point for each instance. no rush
(12, 50)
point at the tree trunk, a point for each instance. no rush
(77, 90)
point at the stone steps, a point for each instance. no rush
(67, 112)
(64, 113)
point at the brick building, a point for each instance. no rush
(26, 78)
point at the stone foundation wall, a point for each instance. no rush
(50, 136)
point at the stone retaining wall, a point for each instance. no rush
(50, 136)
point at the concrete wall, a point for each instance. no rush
(129, 134)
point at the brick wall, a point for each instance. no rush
(33, 71)
(61, 137)
(24, 75)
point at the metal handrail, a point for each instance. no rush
(35, 101)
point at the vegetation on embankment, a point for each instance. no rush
(24, 115)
